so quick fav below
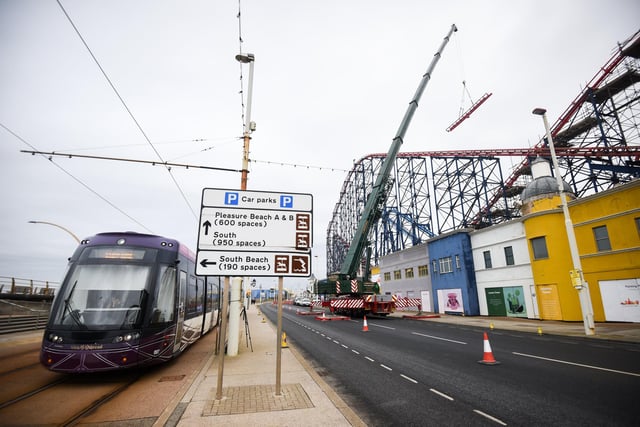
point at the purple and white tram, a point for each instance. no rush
(127, 300)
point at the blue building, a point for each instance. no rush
(453, 275)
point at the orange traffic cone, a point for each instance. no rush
(365, 327)
(488, 358)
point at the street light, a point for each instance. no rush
(58, 226)
(576, 274)
(249, 126)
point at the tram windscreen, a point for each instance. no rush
(103, 296)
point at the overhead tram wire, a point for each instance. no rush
(184, 197)
(301, 166)
(120, 159)
(109, 202)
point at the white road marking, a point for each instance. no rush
(386, 367)
(409, 378)
(369, 359)
(439, 393)
(490, 417)
(380, 326)
(355, 351)
(633, 374)
(439, 338)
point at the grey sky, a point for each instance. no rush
(332, 82)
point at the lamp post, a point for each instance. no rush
(249, 126)
(577, 277)
(58, 226)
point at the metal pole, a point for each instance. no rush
(223, 337)
(244, 59)
(576, 274)
(279, 337)
(58, 226)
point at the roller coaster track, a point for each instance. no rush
(597, 141)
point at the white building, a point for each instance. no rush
(503, 271)
(405, 274)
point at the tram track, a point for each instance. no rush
(66, 400)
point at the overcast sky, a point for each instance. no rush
(332, 82)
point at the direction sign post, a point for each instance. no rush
(254, 233)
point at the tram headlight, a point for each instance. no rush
(55, 338)
(130, 336)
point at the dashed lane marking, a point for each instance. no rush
(439, 338)
(409, 378)
(492, 418)
(441, 394)
(633, 374)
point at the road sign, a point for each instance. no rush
(218, 197)
(254, 233)
(255, 264)
(252, 229)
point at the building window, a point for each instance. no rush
(539, 246)
(602, 238)
(508, 255)
(387, 276)
(458, 262)
(638, 225)
(397, 275)
(487, 259)
(423, 270)
(408, 273)
(445, 265)
(435, 267)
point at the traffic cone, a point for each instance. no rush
(365, 327)
(488, 358)
(284, 344)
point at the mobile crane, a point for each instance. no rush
(355, 295)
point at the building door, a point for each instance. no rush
(425, 298)
(549, 302)
(536, 314)
(182, 290)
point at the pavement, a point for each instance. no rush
(249, 397)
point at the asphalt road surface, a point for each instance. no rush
(410, 372)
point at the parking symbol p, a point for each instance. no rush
(231, 198)
(286, 201)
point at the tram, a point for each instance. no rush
(128, 300)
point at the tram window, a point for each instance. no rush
(163, 311)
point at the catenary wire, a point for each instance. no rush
(109, 202)
(184, 197)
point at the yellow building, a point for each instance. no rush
(607, 229)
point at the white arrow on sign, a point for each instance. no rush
(223, 228)
(230, 263)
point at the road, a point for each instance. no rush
(413, 372)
